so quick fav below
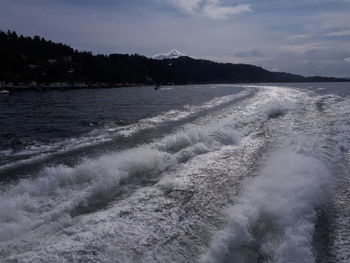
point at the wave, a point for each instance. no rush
(277, 213)
(109, 133)
(274, 217)
(63, 191)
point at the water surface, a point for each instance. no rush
(201, 173)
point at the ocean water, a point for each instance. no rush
(200, 173)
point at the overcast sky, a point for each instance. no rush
(309, 37)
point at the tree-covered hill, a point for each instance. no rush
(26, 59)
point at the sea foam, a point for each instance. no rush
(274, 217)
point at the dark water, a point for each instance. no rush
(202, 173)
(85, 122)
(45, 117)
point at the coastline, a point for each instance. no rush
(69, 86)
(54, 86)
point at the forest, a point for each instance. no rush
(34, 59)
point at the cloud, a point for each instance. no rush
(339, 33)
(216, 11)
(300, 36)
(347, 59)
(213, 9)
(299, 48)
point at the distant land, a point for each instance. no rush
(27, 62)
(172, 54)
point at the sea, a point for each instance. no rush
(237, 173)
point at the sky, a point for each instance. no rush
(308, 37)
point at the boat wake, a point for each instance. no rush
(244, 183)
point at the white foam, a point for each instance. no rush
(274, 217)
(60, 190)
(47, 202)
(176, 115)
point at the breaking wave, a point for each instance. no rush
(63, 191)
(274, 217)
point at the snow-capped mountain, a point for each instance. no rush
(172, 54)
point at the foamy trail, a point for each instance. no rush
(59, 191)
(277, 213)
(274, 217)
(59, 196)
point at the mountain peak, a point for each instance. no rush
(172, 54)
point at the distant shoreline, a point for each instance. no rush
(38, 64)
(54, 86)
(68, 86)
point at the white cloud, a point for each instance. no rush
(300, 36)
(339, 33)
(300, 48)
(347, 59)
(215, 11)
(209, 8)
